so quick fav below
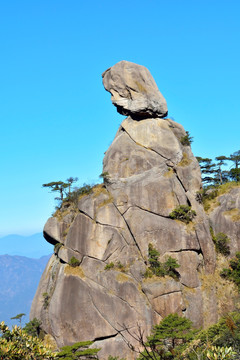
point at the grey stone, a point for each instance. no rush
(53, 231)
(134, 91)
(225, 218)
(155, 135)
(189, 262)
(165, 234)
(119, 164)
(149, 174)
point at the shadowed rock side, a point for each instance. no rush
(150, 173)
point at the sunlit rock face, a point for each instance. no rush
(225, 217)
(148, 173)
(134, 91)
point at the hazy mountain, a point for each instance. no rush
(19, 278)
(33, 246)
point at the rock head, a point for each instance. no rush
(134, 91)
(95, 285)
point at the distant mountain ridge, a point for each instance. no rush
(33, 246)
(19, 278)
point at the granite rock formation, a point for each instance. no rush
(148, 173)
(134, 91)
(225, 217)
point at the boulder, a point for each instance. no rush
(134, 91)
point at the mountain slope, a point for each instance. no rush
(33, 246)
(19, 278)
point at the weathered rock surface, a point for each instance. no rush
(148, 174)
(225, 217)
(134, 91)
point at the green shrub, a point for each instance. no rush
(73, 197)
(17, 344)
(170, 266)
(221, 242)
(105, 176)
(183, 213)
(233, 272)
(220, 353)
(74, 262)
(187, 139)
(33, 327)
(77, 351)
(109, 266)
(167, 339)
(160, 269)
(120, 266)
(223, 334)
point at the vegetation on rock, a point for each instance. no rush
(105, 176)
(74, 262)
(187, 139)
(33, 327)
(161, 269)
(233, 272)
(109, 266)
(221, 242)
(183, 213)
(172, 339)
(66, 194)
(118, 266)
(175, 339)
(46, 299)
(79, 350)
(209, 195)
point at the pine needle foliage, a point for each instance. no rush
(233, 272)
(183, 213)
(79, 350)
(187, 139)
(168, 338)
(158, 268)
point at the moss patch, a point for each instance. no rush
(234, 214)
(185, 160)
(74, 271)
(122, 278)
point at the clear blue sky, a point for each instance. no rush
(56, 118)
